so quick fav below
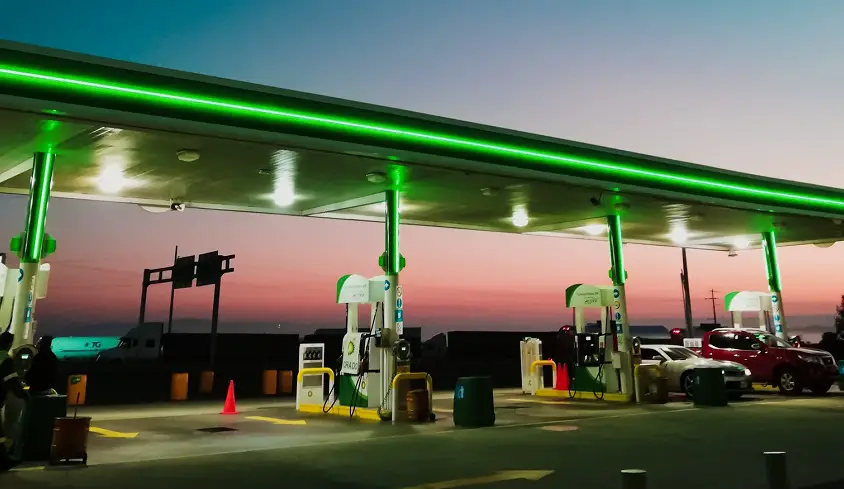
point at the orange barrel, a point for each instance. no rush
(418, 409)
(269, 385)
(285, 381)
(206, 382)
(70, 440)
(179, 387)
(77, 386)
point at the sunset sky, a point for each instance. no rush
(739, 85)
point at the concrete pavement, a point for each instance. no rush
(560, 444)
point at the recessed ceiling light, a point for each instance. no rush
(594, 229)
(741, 243)
(187, 155)
(376, 177)
(111, 180)
(520, 217)
(678, 235)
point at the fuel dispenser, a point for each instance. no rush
(359, 383)
(600, 365)
(310, 389)
(24, 350)
(740, 302)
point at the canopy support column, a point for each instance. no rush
(772, 267)
(391, 265)
(30, 246)
(619, 277)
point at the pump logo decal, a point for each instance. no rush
(20, 275)
(350, 350)
(615, 293)
(386, 285)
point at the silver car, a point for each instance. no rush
(678, 364)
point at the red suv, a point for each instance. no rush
(773, 361)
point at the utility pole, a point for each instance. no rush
(687, 299)
(713, 299)
(172, 296)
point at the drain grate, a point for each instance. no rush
(216, 429)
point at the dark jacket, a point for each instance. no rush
(43, 373)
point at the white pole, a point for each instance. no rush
(776, 470)
(634, 479)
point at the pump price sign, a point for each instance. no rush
(399, 309)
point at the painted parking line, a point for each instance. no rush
(278, 421)
(112, 434)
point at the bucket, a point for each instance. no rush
(418, 409)
(70, 440)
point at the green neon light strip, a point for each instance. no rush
(392, 232)
(99, 87)
(36, 214)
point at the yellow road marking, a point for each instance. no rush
(29, 469)
(112, 434)
(504, 475)
(279, 421)
(537, 401)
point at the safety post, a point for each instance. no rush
(410, 376)
(776, 470)
(536, 370)
(315, 371)
(772, 267)
(634, 479)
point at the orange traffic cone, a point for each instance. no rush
(562, 377)
(229, 407)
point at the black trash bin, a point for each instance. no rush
(709, 387)
(474, 406)
(36, 429)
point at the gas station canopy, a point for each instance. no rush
(135, 134)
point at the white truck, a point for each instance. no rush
(141, 343)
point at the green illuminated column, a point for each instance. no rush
(619, 277)
(772, 266)
(32, 245)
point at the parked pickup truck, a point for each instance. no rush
(771, 360)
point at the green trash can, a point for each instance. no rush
(474, 406)
(841, 374)
(709, 387)
(36, 426)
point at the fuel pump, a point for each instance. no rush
(740, 302)
(358, 383)
(600, 366)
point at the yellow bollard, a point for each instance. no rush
(179, 387)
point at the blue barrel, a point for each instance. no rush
(474, 406)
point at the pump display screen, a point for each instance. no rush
(588, 350)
